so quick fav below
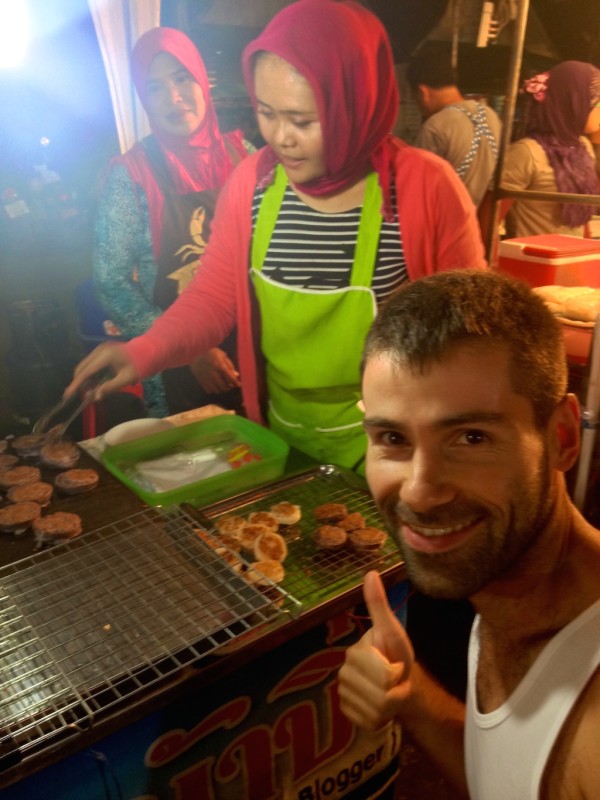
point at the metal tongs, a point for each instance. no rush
(57, 431)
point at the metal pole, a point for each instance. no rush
(508, 117)
(563, 197)
(490, 235)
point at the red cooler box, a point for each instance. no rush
(551, 259)
(556, 259)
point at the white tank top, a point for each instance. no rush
(506, 750)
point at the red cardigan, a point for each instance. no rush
(439, 231)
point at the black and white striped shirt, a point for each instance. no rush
(313, 250)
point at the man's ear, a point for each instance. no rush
(423, 95)
(565, 433)
(361, 406)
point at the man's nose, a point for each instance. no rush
(427, 483)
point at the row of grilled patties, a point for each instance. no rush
(26, 496)
(262, 537)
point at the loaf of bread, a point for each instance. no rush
(584, 307)
(581, 303)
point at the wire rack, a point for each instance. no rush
(313, 575)
(90, 623)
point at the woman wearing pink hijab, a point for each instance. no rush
(554, 154)
(312, 233)
(156, 206)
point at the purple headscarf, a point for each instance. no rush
(560, 105)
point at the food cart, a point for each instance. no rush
(136, 663)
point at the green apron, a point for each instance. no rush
(312, 340)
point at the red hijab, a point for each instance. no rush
(344, 53)
(197, 162)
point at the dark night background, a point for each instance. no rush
(61, 93)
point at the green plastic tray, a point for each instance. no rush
(224, 432)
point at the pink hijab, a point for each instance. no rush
(344, 53)
(556, 118)
(196, 163)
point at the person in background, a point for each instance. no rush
(312, 233)
(554, 155)
(155, 210)
(471, 430)
(464, 132)
(595, 142)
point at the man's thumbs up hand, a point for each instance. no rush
(387, 634)
(374, 680)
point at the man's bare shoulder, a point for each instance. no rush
(573, 769)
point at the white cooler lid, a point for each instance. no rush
(550, 246)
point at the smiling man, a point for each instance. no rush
(470, 432)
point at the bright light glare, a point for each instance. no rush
(14, 33)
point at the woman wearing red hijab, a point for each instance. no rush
(312, 232)
(156, 206)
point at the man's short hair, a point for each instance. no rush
(423, 321)
(432, 66)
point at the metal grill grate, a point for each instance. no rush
(87, 624)
(313, 575)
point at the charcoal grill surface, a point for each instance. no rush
(87, 624)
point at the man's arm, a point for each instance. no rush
(380, 681)
(573, 770)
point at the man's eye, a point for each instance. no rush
(473, 437)
(391, 439)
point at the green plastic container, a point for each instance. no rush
(249, 454)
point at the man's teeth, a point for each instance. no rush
(439, 531)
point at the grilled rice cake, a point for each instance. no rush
(230, 525)
(57, 527)
(367, 539)
(270, 547)
(8, 461)
(263, 573)
(250, 534)
(17, 517)
(61, 454)
(330, 537)
(263, 518)
(29, 445)
(17, 476)
(38, 492)
(330, 513)
(227, 550)
(286, 513)
(352, 522)
(76, 481)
